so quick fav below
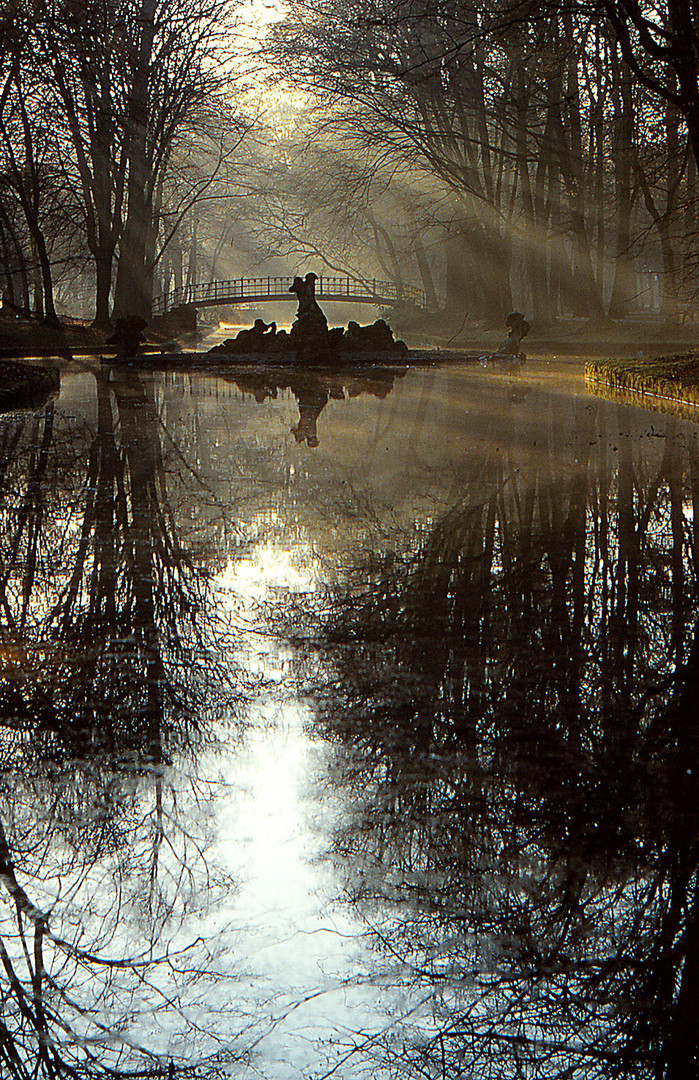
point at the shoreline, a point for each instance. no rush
(668, 383)
(570, 337)
(23, 384)
(640, 362)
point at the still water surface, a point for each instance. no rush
(348, 729)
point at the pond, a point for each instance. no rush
(348, 728)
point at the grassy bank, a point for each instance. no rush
(23, 383)
(672, 378)
(20, 337)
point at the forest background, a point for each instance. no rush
(539, 155)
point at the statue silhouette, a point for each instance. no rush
(518, 330)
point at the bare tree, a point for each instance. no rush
(177, 62)
(516, 112)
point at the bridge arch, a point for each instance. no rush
(246, 290)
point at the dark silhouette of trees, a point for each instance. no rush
(31, 169)
(84, 66)
(660, 48)
(176, 86)
(98, 108)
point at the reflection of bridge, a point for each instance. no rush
(251, 290)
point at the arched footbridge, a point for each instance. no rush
(256, 290)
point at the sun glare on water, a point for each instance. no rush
(269, 570)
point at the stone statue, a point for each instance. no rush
(310, 329)
(310, 341)
(305, 289)
(378, 337)
(257, 339)
(260, 339)
(519, 328)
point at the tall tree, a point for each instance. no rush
(660, 43)
(82, 54)
(177, 64)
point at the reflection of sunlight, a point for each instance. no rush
(270, 827)
(298, 958)
(269, 569)
(299, 954)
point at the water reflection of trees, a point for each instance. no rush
(514, 695)
(112, 663)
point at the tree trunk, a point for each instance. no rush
(192, 261)
(49, 311)
(478, 272)
(459, 279)
(134, 284)
(7, 270)
(669, 309)
(624, 283)
(103, 268)
(426, 274)
(586, 296)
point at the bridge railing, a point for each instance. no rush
(278, 288)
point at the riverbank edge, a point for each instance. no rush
(668, 378)
(22, 382)
(30, 337)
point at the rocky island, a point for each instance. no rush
(310, 340)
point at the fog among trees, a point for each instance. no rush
(497, 154)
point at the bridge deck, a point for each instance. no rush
(258, 290)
